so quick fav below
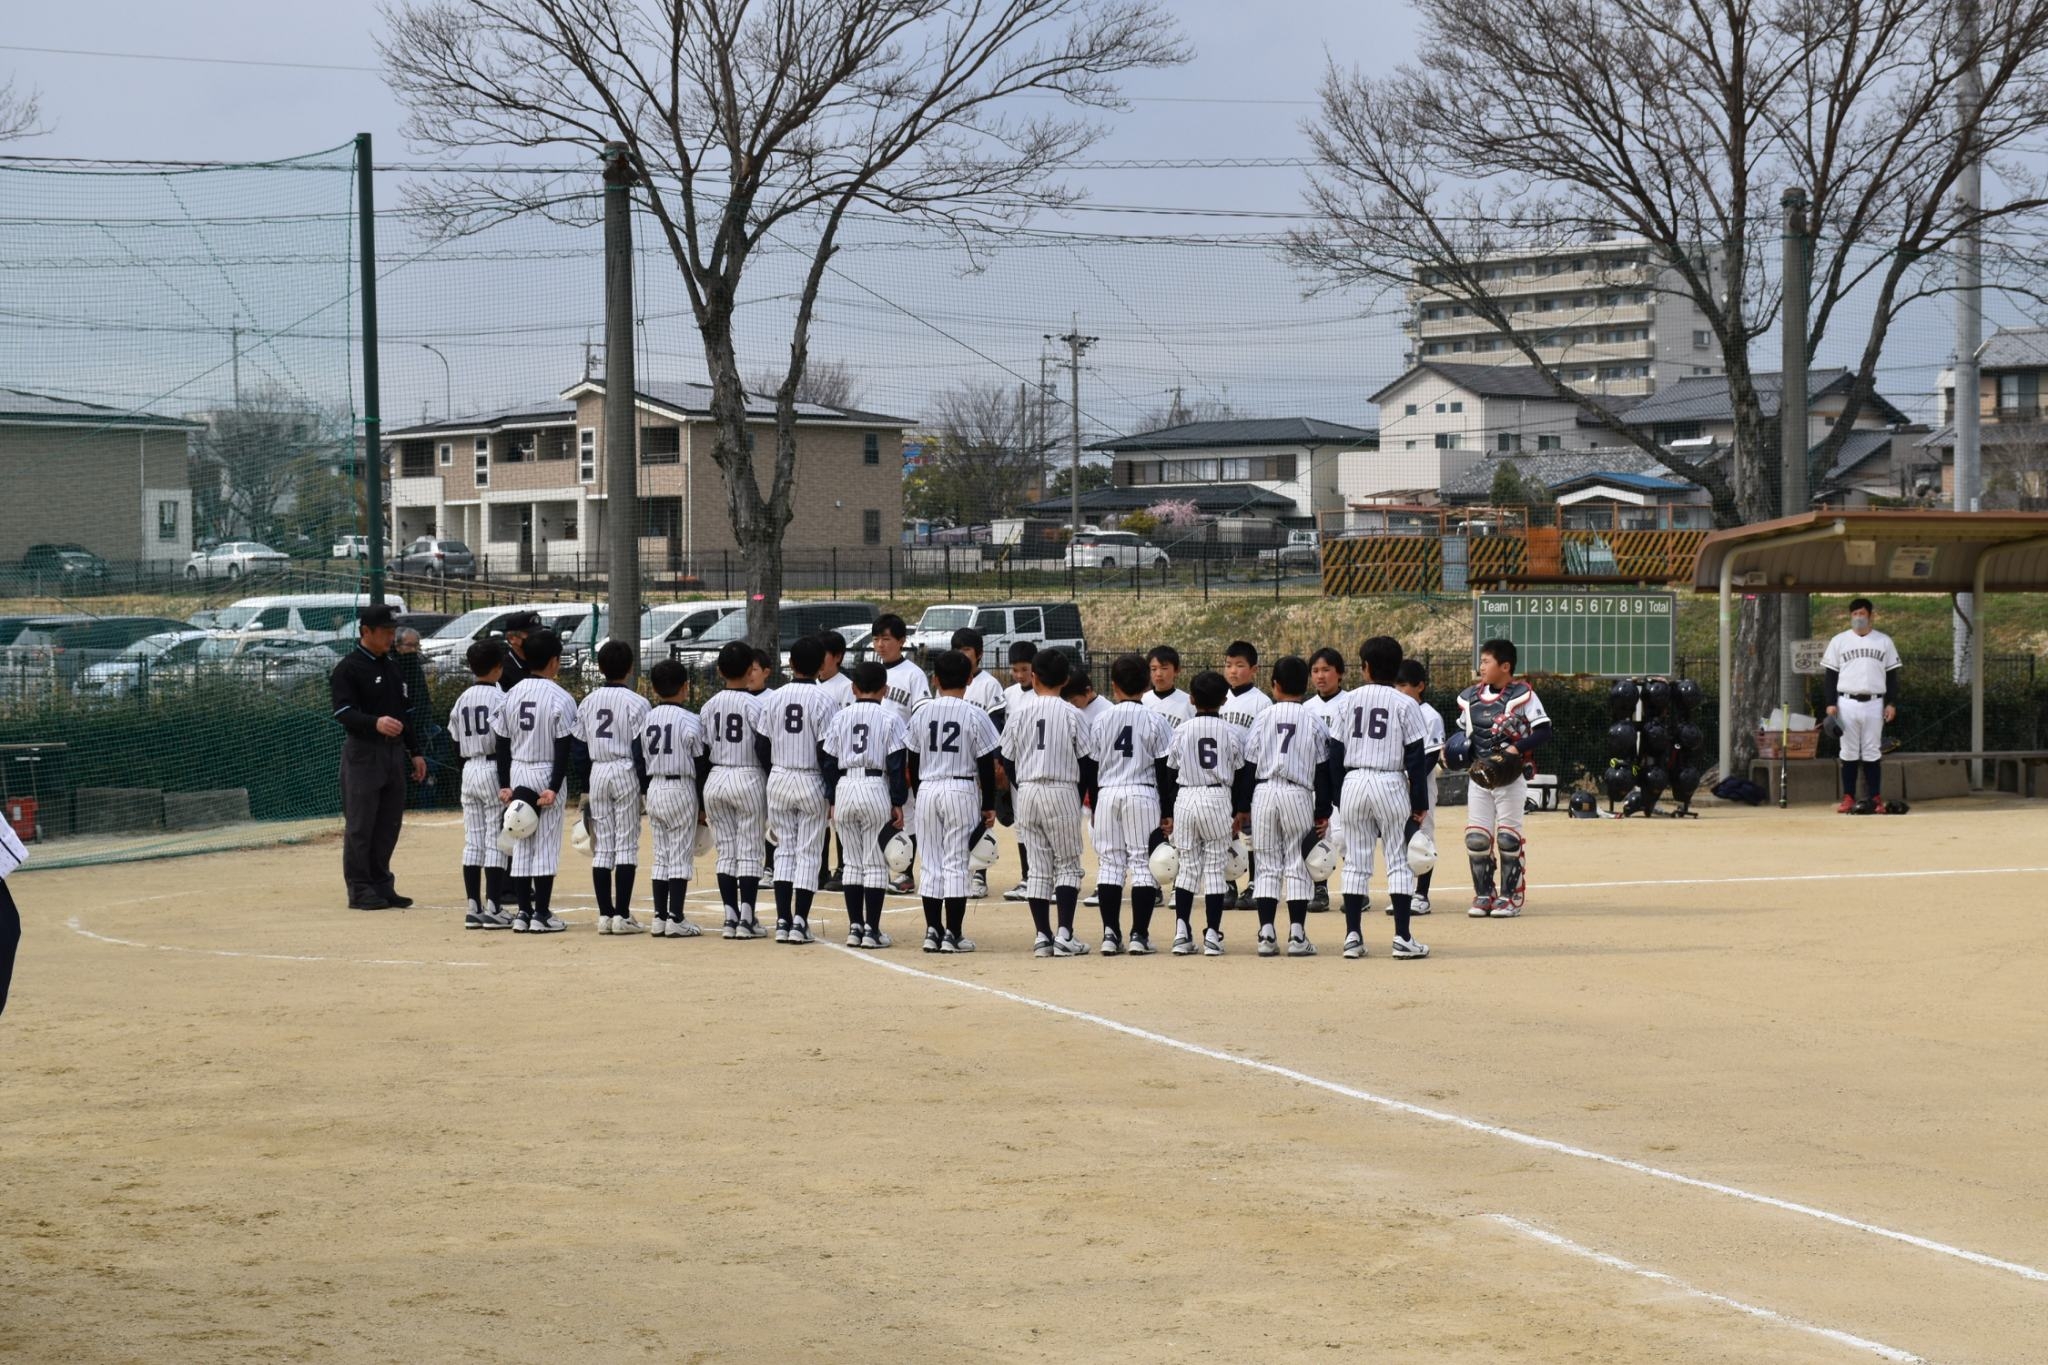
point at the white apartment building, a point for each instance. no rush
(1604, 313)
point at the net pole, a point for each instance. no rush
(1792, 426)
(373, 444)
(622, 503)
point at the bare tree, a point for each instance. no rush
(1180, 412)
(258, 459)
(981, 459)
(1541, 124)
(21, 112)
(773, 123)
(830, 382)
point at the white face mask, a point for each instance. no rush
(1860, 624)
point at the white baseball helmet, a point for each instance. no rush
(1421, 853)
(705, 843)
(1165, 862)
(1321, 860)
(770, 835)
(579, 837)
(898, 852)
(1238, 863)
(521, 820)
(984, 853)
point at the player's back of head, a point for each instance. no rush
(1078, 684)
(869, 678)
(952, 669)
(833, 643)
(485, 655)
(1381, 656)
(1411, 673)
(1208, 690)
(1051, 669)
(669, 677)
(1290, 675)
(614, 659)
(806, 656)
(542, 647)
(1127, 674)
(735, 660)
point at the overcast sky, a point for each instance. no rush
(1227, 325)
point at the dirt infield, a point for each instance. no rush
(1789, 1112)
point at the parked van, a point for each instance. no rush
(797, 619)
(324, 614)
(678, 623)
(1049, 625)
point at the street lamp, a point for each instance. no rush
(447, 382)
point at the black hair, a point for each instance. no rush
(670, 677)
(834, 643)
(1381, 656)
(1051, 668)
(765, 659)
(805, 656)
(485, 655)
(1326, 655)
(1411, 673)
(1078, 684)
(1503, 651)
(967, 637)
(869, 677)
(1128, 675)
(1164, 654)
(1023, 652)
(892, 625)
(1208, 690)
(1862, 604)
(542, 647)
(735, 659)
(1243, 649)
(1290, 675)
(614, 659)
(952, 669)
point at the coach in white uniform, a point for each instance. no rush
(1287, 746)
(1862, 670)
(1045, 750)
(1386, 759)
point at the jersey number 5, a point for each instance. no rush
(526, 715)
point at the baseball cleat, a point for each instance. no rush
(1066, 945)
(750, 928)
(1320, 901)
(604, 924)
(1041, 946)
(957, 943)
(1212, 943)
(1016, 893)
(799, 932)
(1269, 946)
(856, 936)
(1482, 906)
(522, 924)
(1183, 940)
(486, 917)
(878, 939)
(546, 924)
(1139, 946)
(1408, 949)
(1299, 946)
(1092, 899)
(933, 941)
(1354, 946)
(904, 885)
(1503, 908)
(1845, 806)
(1111, 944)
(979, 890)
(1418, 905)
(626, 924)
(731, 930)
(682, 928)
(782, 931)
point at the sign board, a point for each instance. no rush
(1806, 657)
(1605, 634)
(1911, 561)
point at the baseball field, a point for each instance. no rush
(1759, 1087)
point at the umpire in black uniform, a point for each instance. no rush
(517, 627)
(370, 702)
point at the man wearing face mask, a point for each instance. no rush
(1862, 690)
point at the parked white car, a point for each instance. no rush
(933, 631)
(174, 654)
(235, 559)
(1113, 550)
(446, 651)
(330, 615)
(678, 623)
(355, 547)
(1304, 549)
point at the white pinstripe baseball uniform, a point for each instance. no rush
(1377, 725)
(609, 719)
(1207, 751)
(1863, 666)
(861, 739)
(1285, 746)
(909, 688)
(1432, 742)
(1326, 709)
(1480, 710)
(1244, 705)
(839, 687)
(736, 795)
(794, 718)
(1174, 704)
(1045, 743)
(949, 737)
(1098, 706)
(470, 723)
(1127, 740)
(991, 696)
(671, 742)
(537, 712)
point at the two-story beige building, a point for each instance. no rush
(527, 489)
(113, 480)
(2012, 410)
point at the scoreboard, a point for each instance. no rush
(1606, 634)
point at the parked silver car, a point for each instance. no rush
(235, 559)
(436, 558)
(164, 658)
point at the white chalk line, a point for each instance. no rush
(76, 927)
(1566, 1244)
(1392, 1105)
(1796, 877)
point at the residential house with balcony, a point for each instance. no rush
(1609, 315)
(527, 488)
(1285, 468)
(2012, 409)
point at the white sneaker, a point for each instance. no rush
(522, 924)
(1505, 907)
(1111, 944)
(1092, 900)
(546, 924)
(781, 932)
(732, 925)
(1418, 905)
(1269, 946)
(1015, 893)
(1042, 946)
(878, 939)
(626, 924)
(799, 932)
(1482, 906)
(1212, 943)
(1064, 944)
(958, 943)
(1139, 946)
(682, 928)
(979, 890)
(856, 936)
(1409, 949)
(1354, 946)
(750, 928)
(1299, 946)
(604, 924)
(1183, 940)
(934, 941)
(485, 916)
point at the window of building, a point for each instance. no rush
(1702, 340)
(1440, 407)
(1409, 410)
(1408, 445)
(586, 455)
(661, 445)
(1509, 440)
(871, 527)
(1549, 443)
(483, 462)
(569, 523)
(1449, 440)
(552, 445)
(519, 448)
(1235, 470)
(871, 448)
(167, 519)
(447, 453)
(1280, 467)
(1457, 407)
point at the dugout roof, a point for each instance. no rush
(1880, 551)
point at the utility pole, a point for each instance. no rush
(235, 351)
(373, 422)
(621, 414)
(1795, 614)
(1076, 345)
(1041, 428)
(1969, 317)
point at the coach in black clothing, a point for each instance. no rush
(370, 702)
(517, 628)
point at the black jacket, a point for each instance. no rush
(364, 687)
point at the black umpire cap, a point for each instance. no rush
(522, 621)
(376, 616)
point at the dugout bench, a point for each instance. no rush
(1913, 777)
